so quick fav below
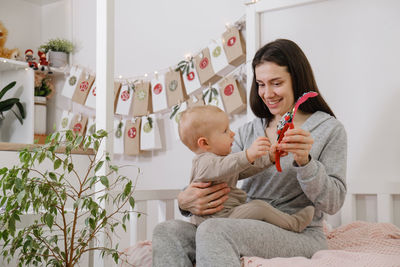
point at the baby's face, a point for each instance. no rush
(221, 137)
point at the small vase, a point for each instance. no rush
(58, 59)
(40, 115)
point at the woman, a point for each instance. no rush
(313, 173)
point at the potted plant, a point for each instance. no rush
(67, 203)
(8, 104)
(44, 89)
(58, 50)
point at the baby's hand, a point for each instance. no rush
(272, 152)
(259, 148)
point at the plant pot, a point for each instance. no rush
(58, 59)
(40, 115)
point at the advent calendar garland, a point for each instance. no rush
(202, 79)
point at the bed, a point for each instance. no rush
(355, 237)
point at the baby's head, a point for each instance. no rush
(206, 128)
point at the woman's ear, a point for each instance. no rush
(202, 143)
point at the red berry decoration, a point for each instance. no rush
(132, 132)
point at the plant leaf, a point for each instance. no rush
(6, 88)
(104, 181)
(98, 166)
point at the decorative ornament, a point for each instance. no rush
(84, 86)
(173, 85)
(64, 122)
(216, 52)
(118, 132)
(72, 80)
(77, 127)
(286, 122)
(132, 132)
(141, 94)
(125, 95)
(157, 88)
(228, 90)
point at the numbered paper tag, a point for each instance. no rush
(211, 96)
(124, 100)
(71, 81)
(232, 94)
(91, 97)
(150, 134)
(82, 88)
(176, 115)
(205, 69)
(191, 79)
(119, 129)
(142, 99)
(158, 93)
(132, 137)
(218, 58)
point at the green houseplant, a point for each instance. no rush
(58, 45)
(8, 104)
(68, 203)
(58, 50)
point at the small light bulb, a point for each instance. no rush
(120, 76)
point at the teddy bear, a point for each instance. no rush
(5, 52)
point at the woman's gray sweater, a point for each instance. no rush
(320, 183)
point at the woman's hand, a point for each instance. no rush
(203, 198)
(298, 142)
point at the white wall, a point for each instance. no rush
(23, 22)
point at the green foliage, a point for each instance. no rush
(44, 89)
(68, 204)
(57, 45)
(8, 104)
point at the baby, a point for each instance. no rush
(205, 131)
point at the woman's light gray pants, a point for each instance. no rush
(220, 242)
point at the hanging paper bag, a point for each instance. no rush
(91, 97)
(232, 94)
(141, 99)
(234, 46)
(211, 96)
(195, 100)
(82, 88)
(205, 69)
(175, 116)
(78, 124)
(150, 138)
(175, 91)
(65, 120)
(91, 128)
(132, 137)
(158, 93)
(189, 75)
(119, 129)
(124, 100)
(75, 74)
(218, 58)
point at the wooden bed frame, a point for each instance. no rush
(383, 192)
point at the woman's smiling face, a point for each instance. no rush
(275, 87)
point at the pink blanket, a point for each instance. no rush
(356, 244)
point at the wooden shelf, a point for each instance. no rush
(11, 64)
(17, 147)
